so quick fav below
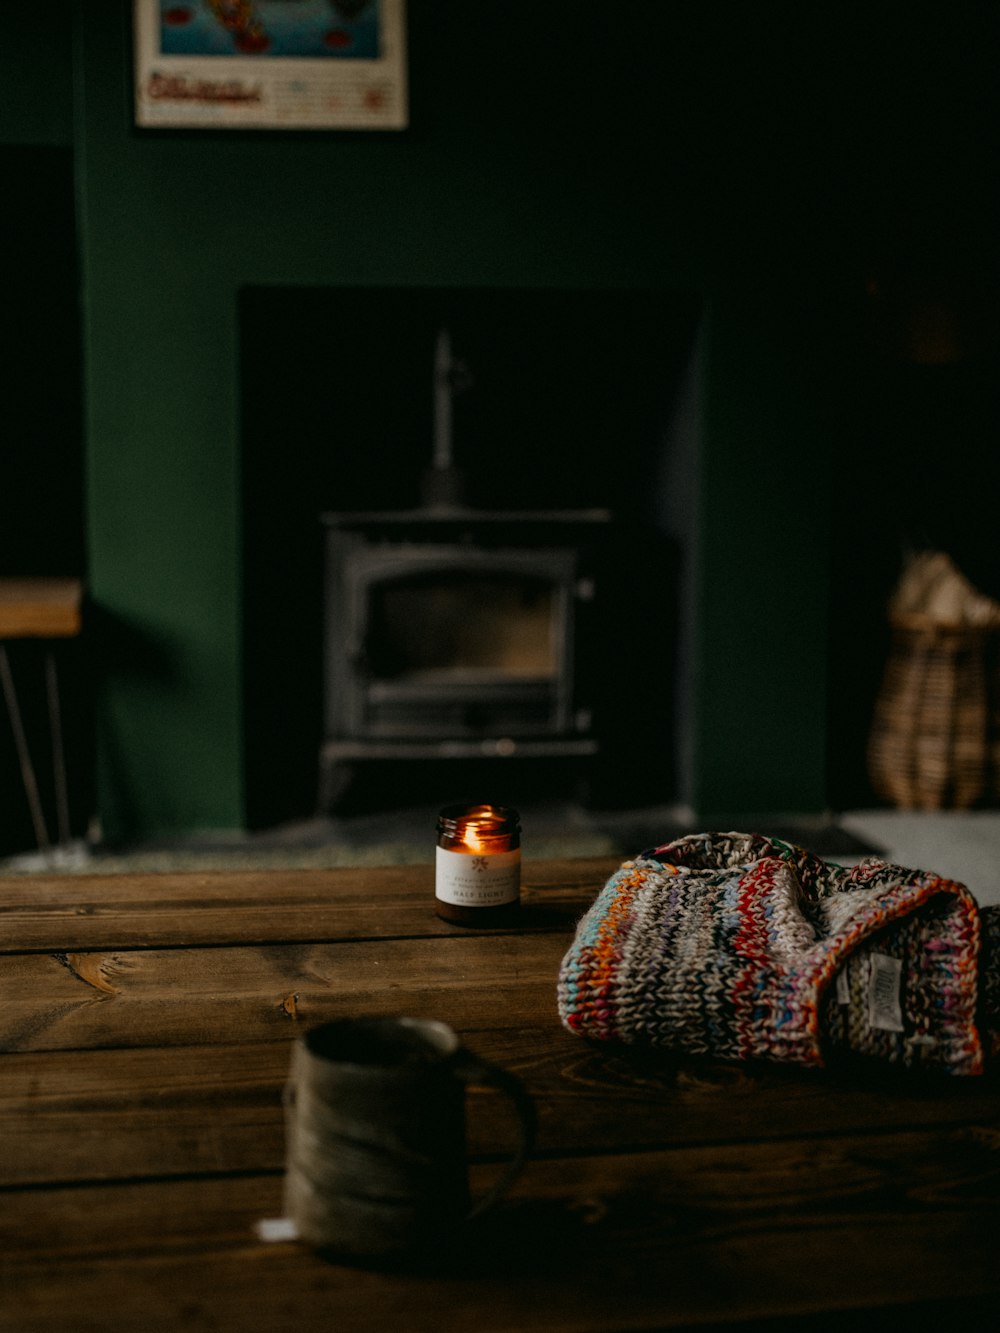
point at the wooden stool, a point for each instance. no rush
(40, 608)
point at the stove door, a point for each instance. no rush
(458, 643)
(438, 643)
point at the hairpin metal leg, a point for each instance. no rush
(58, 751)
(23, 755)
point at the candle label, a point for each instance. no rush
(470, 879)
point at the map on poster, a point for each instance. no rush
(270, 64)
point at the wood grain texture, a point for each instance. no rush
(180, 1110)
(247, 907)
(653, 1240)
(40, 608)
(146, 1026)
(181, 996)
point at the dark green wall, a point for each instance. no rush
(734, 153)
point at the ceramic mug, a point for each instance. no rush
(376, 1166)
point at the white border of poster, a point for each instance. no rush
(270, 64)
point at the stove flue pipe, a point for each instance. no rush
(444, 484)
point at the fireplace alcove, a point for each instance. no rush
(565, 407)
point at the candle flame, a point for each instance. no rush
(470, 837)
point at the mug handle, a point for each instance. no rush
(471, 1069)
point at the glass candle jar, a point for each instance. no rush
(478, 873)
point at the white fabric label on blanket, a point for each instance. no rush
(884, 1008)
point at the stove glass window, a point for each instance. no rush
(454, 627)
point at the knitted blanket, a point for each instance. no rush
(745, 947)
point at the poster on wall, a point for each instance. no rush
(270, 64)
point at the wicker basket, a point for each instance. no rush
(935, 738)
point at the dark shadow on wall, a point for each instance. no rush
(41, 496)
(919, 468)
(41, 462)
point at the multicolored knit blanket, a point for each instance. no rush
(745, 947)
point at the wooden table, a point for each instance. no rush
(145, 1025)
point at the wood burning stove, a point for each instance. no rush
(457, 633)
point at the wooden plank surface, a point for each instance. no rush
(655, 1240)
(147, 1023)
(51, 914)
(119, 1114)
(40, 608)
(943, 1169)
(182, 996)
